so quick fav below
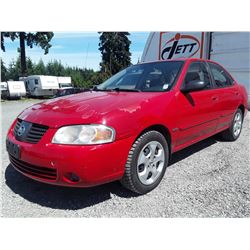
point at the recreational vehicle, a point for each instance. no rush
(64, 82)
(13, 89)
(40, 85)
(3, 86)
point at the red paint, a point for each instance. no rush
(129, 113)
(159, 54)
(202, 44)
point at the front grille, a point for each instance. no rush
(33, 135)
(36, 171)
(17, 126)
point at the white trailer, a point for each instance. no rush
(40, 85)
(13, 89)
(3, 89)
(3, 86)
(64, 82)
(231, 49)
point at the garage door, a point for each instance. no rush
(232, 50)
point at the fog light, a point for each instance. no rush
(72, 177)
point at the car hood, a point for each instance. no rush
(88, 108)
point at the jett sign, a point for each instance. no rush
(176, 45)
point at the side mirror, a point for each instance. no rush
(193, 86)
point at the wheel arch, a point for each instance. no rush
(242, 108)
(161, 129)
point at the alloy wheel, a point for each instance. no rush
(150, 162)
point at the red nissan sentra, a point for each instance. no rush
(126, 128)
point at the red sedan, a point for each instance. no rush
(126, 128)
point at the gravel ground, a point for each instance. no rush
(208, 179)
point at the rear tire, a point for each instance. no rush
(147, 162)
(233, 132)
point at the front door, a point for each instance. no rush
(198, 110)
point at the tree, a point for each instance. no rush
(30, 66)
(114, 47)
(41, 39)
(14, 70)
(80, 77)
(3, 72)
(40, 68)
(55, 68)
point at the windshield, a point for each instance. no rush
(148, 77)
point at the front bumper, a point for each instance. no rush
(92, 164)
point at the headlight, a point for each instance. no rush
(84, 135)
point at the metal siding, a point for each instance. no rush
(232, 50)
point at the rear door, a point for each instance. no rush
(198, 110)
(227, 92)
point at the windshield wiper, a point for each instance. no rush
(95, 88)
(125, 90)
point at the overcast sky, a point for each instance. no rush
(74, 49)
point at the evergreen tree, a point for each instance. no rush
(41, 39)
(3, 72)
(114, 47)
(30, 67)
(80, 77)
(40, 68)
(55, 68)
(14, 70)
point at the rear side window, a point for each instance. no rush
(221, 77)
(198, 72)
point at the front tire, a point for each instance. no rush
(233, 132)
(147, 162)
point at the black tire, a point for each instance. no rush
(228, 134)
(130, 179)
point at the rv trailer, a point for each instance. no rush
(13, 89)
(3, 89)
(64, 82)
(41, 85)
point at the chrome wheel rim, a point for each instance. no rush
(237, 124)
(150, 162)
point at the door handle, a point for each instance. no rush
(214, 98)
(236, 93)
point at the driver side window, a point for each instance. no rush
(198, 72)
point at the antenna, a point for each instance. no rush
(86, 56)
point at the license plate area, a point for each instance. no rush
(13, 149)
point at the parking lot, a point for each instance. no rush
(208, 179)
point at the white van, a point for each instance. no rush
(230, 49)
(13, 89)
(40, 85)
